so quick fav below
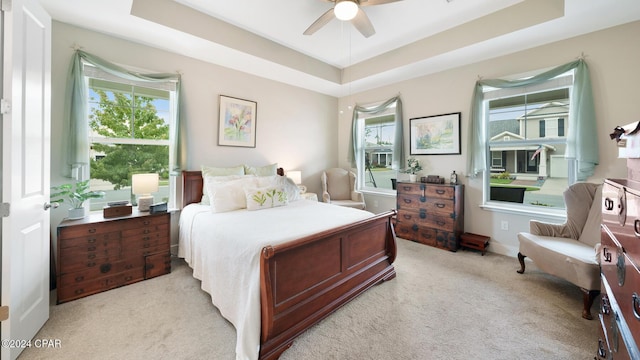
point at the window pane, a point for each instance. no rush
(527, 145)
(112, 166)
(379, 133)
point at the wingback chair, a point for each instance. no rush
(570, 250)
(338, 188)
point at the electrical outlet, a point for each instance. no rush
(504, 225)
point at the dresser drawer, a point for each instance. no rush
(157, 264)
(428, 236)
(67, 232)
(425, 218)
(148, 230)
(135, 244)
(100, 284)
(412, 202)
(81, 254)
(89, 241)
(427, 190)
(103, 269)
(146, 221)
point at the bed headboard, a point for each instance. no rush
(192, 184)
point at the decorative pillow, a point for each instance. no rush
(217, 179)
(229, 195)
(265, 197)
(292, 190)
(261, 170)
(210, 171)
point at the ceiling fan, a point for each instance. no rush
(348, 10)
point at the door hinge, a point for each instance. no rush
(5, 106)
(4, 313)
(5, 5)
(5, 209)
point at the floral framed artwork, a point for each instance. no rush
(435, 135)
(237, 122)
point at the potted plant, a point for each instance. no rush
(413, 166)
(75, 194)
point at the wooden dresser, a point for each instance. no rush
(620, 260)
(97, 254)
(431, 214)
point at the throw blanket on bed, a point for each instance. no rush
(224, 251)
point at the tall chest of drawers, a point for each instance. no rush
(97, 254)
(431, 214)
(620, 263)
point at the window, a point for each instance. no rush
(129, 127)
(526, 144)
(377, 152)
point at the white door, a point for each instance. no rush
(26, 125)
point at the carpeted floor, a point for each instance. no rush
(442, 305)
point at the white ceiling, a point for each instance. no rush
(413, 37)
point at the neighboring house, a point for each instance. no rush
(543, 159)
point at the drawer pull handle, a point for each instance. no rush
(440, 205)
(92, 231)
(91, 240)
(406, 188)
(145, 238)
(146, 231)
(79, 278)
(129, 266)
(606, 254)
(407, 216)
(79, 291)
(605, 307)
(636, 227)
(91, 256)
(635, 302)
(105, 268)
(146, 222)
(407, 201)
(91, 248)
(128, 278)
(440, 191)
(414, 227)
(608, 204)
(441, 223)
(146, 245)
(602, 353)
(91, 264)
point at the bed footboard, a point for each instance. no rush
(305, 280)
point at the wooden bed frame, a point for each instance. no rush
(305, 280)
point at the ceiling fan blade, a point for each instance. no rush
(363, 24)
(322, 21)
(376, 2)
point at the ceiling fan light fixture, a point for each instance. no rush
(345, 10)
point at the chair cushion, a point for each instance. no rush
(338, 184)
(566, 258)
(348, 203)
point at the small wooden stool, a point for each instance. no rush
(474, 241)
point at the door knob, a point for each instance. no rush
(54, 205)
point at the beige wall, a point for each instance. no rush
(613, 57)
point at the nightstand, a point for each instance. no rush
(96, 254)
(309, 196)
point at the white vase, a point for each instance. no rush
(75, 214)
(413, 177)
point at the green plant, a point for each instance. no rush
(75, 194)
(413, 166)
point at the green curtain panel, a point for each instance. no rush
(356, 148)
(582, 141)
(75, 121)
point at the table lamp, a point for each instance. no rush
(296, 176)
(143, 185)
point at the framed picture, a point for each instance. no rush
(237, 122)
(435, 135)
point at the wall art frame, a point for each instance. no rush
(435, 134)
(237, 122)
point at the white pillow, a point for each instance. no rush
(229, 195)
(265, 197)
(217, 171)
(266, 170)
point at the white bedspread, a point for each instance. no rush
(224, 251)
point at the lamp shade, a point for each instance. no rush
(296, 176)
(345, 10)
(143, 184)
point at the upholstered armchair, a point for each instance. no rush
(338, 188)
(570, 250)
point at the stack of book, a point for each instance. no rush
(117, 208)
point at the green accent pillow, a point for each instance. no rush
(265, 198)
